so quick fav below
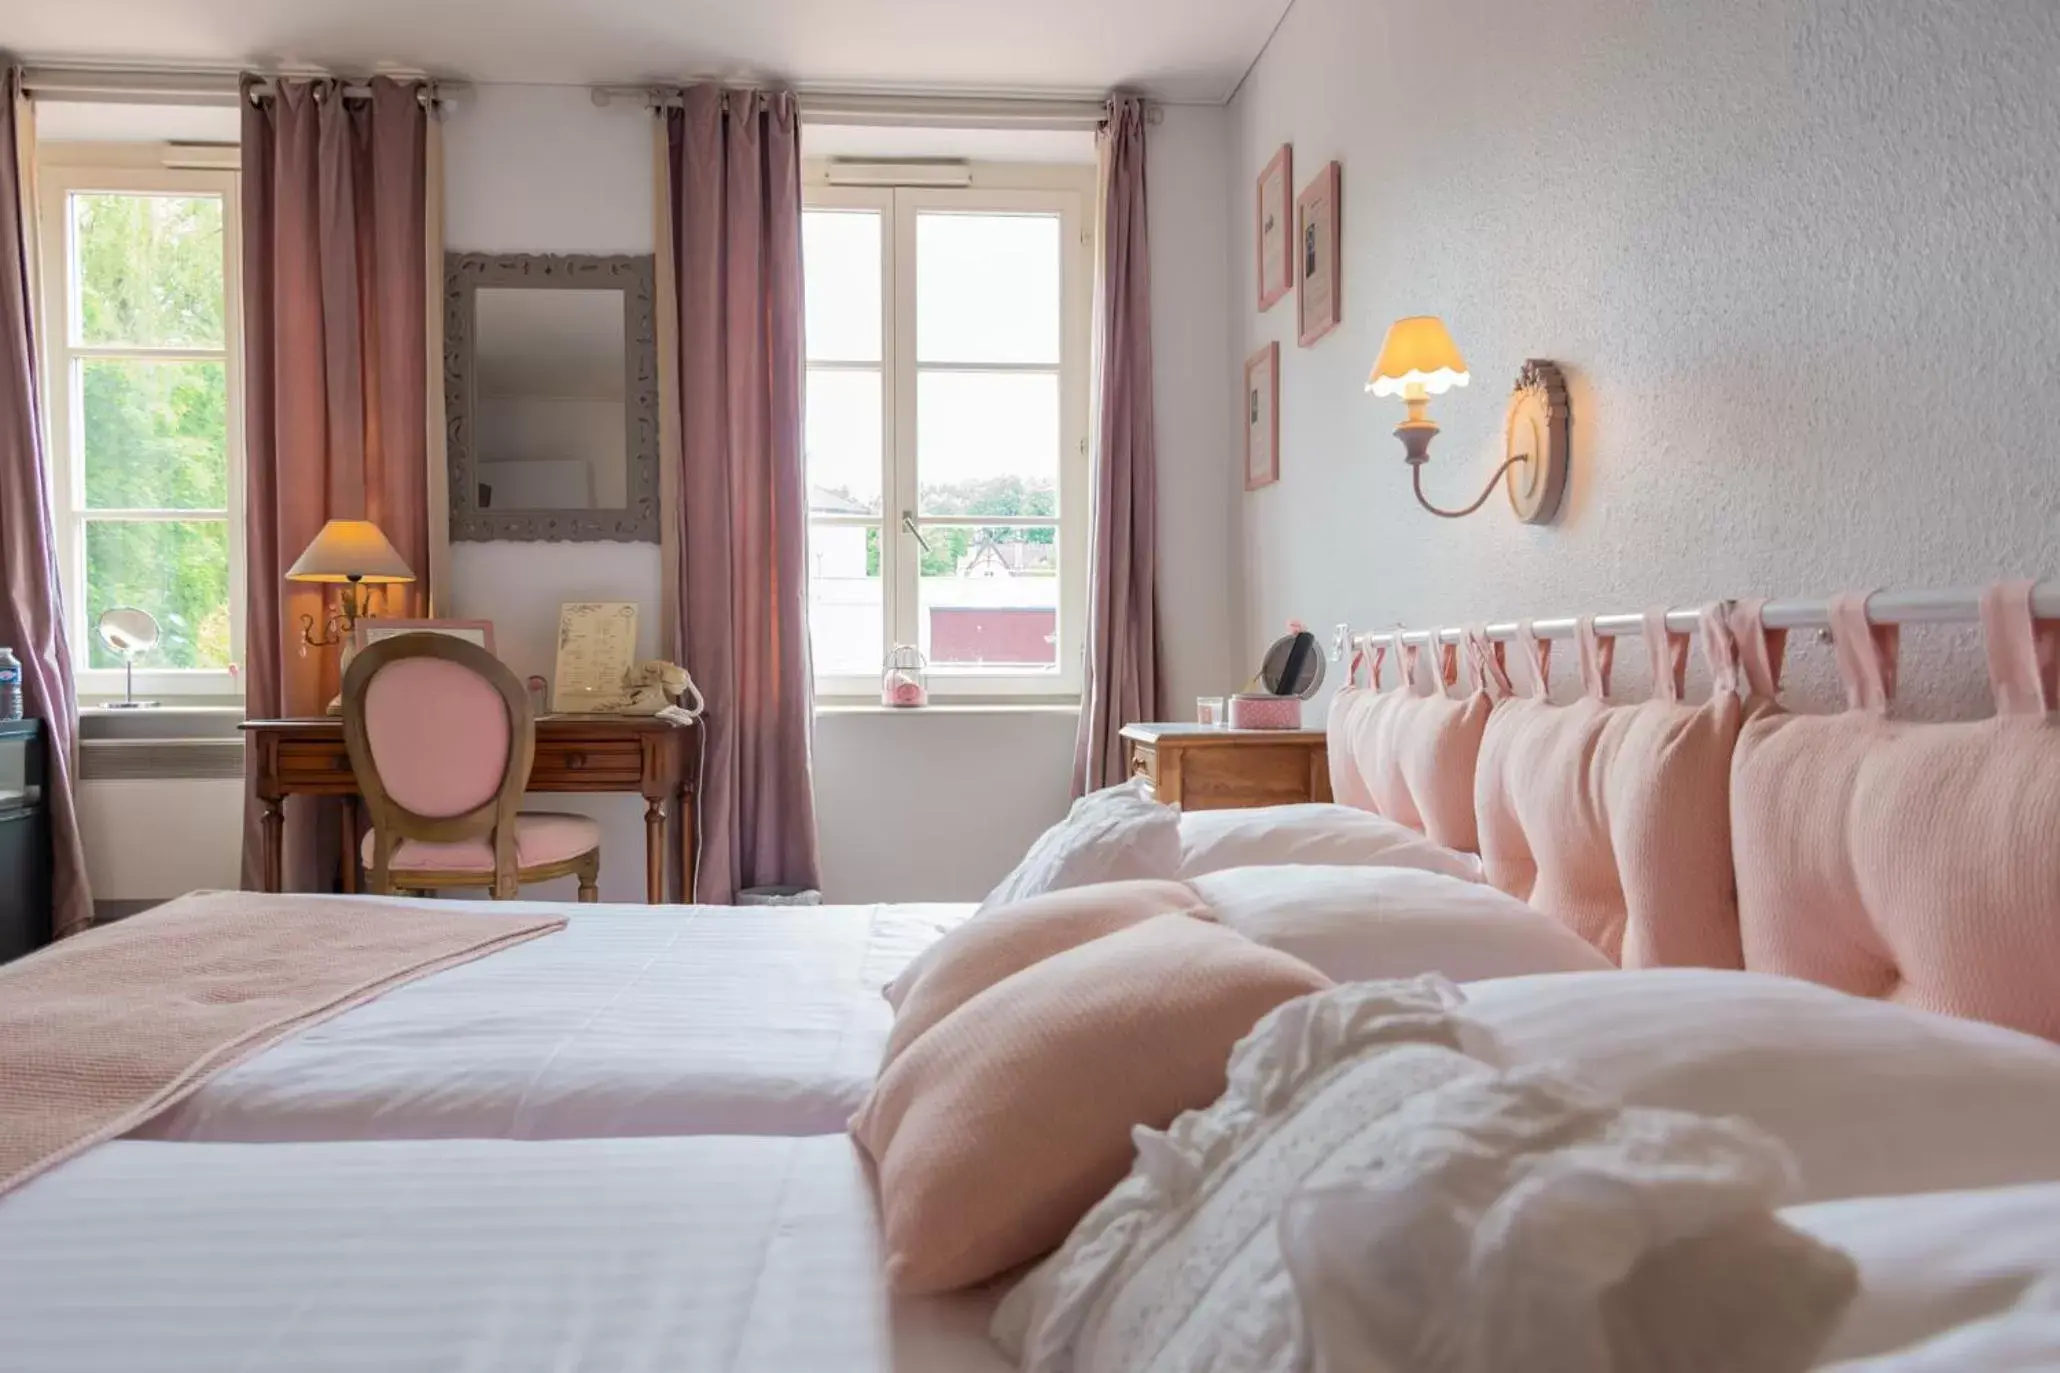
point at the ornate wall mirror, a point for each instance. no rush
(551, 393)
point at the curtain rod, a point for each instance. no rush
(909, 111)
(1952, 606)
(115, 85)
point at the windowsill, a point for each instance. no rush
(167, 720)
(951, 708)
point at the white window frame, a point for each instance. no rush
(63, 170)
(1068, 192)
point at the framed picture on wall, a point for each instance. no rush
(1317, 230)
(370, 631)
(1276, 228)
(1262, 418)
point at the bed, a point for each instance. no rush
(630, 1021)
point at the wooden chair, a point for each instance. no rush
(441, 738)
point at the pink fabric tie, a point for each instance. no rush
(1866, 653)
(1721, 649)
(1760, 649)
(1668, 652)
(2023, 653)
(1485, 668)
(1538, 656)
(1598, 658)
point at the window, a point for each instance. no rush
(946, 433)
(144, 410)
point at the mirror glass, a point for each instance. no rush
(128, 632)
(551, 424)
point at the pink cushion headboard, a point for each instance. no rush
(1411, 757)
(1915, 862)
(1615, 819)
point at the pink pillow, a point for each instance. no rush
(1616, 819)
(1415, 755)
(976, 955)
(1914, 862)
(995, 1131)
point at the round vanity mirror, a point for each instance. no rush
(129, 633)
(1293, 667)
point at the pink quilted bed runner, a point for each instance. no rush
(101, 1032)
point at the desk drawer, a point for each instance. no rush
(302, 763)
(580, 764)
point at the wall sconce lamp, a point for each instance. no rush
(1419, 360)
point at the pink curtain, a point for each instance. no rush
(734, 181)
(335, 377)
(31, 602)
(1122, 684)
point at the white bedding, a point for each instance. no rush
(695, 1255)
(632, 1021)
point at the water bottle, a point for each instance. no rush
(10, 685)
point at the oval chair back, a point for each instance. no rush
(441, 737)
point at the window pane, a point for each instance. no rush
(149, 269)
(846, 602)
(176, 570)
(841, 442)
(841, 259)
(989, 597)
(987, 288)
(156, 435)
(987, 443)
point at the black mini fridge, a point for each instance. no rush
(24, 839)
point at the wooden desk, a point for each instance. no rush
(638, 755)
(1203, 767)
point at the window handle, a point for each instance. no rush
(908, 522)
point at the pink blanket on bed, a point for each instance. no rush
(103, 1031)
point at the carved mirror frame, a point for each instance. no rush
(463, 275)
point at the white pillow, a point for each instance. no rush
(1944, 1274)
(1362, 924)
(1493, 1216)
(1316, 833)
(1114, 835)
(1871, 1097)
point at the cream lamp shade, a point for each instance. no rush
(350, 551)
(1419, 358)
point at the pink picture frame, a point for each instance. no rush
(1262, 417)
(1274, 225)
(370, 631)
(1319, 223)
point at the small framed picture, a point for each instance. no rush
(1276, 228)
(1262, 418)
(369, 632)
(1317, 228)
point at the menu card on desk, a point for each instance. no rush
(597, 646)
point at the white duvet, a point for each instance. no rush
(695, 1255)
(631, 1021)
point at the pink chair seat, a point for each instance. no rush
(541, 839)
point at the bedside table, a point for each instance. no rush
(1204, 767)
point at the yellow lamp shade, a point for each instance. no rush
(350, 551)
(1418, 353)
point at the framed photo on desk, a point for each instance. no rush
(370, 632)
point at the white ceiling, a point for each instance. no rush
(1181, 50)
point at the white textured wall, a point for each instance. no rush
(1195, 400)
(1800, 259)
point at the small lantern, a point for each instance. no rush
(903, 678)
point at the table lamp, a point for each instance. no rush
(351, 554)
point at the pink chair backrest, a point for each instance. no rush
(1914, 862)
(439, 735)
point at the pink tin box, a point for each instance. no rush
(1260, 710)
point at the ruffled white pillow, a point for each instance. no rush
(1118, 834)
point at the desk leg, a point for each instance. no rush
(689, 844)
(654, 851)
(348, 859)
(272, 825)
